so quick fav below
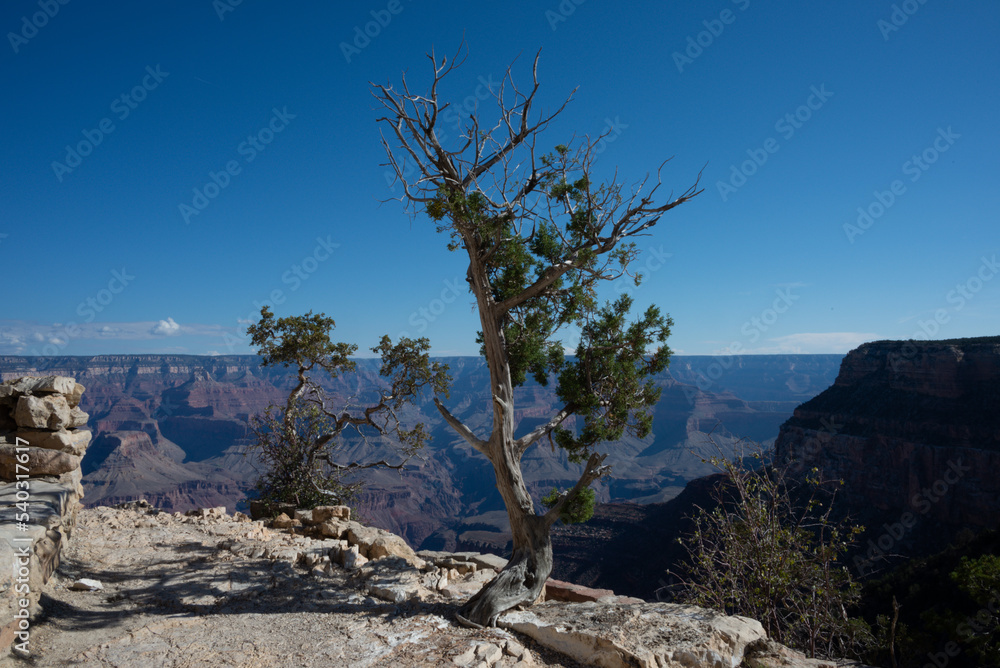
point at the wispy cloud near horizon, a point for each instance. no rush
(812, 343)
(24, 337)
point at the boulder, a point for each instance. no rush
(77, 417)
(352, 559)
(650, 635)
(391, 545)
(489, 561)
(332, 529)
(46, 412)
(46, 385)
(39, 462)
(362, 536)
(73, 398)
(8, 397)
(74, 442)
(321, 514)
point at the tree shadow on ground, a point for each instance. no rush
(193, 579)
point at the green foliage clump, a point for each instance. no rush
(577, 510)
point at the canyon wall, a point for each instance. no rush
(913, 430)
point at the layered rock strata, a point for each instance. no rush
(913, 430)
(42, 442)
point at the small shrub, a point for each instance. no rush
(769, 550)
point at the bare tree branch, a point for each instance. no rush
(525, 442)
(460, 427)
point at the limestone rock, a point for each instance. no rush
(362, 536)
(769, 654)
(45, 412)
(74, 442)
(73, 398)
(391, 545)
(489, 561)
(321, 514)
(651, 635)
(282, 521)
(77, 417)
(8, 396)
(40, 462)
(352, 559)
(86, 584)
(332, 529)
(45, 385)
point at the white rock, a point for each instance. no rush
(86, 584)
(45, 412)
(659, 635)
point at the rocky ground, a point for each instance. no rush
(176, 593)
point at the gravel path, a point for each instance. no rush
(173, 596)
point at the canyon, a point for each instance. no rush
(173, 430)
(912, 428)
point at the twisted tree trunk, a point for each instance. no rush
(522, 579)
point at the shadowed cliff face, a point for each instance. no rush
(913, 430)
(172, 429)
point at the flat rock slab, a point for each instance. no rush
(650, 635)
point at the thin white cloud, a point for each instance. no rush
(166, 328)
(23, 337)
(813, 343)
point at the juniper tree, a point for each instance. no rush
(297, 441)
(540, 237)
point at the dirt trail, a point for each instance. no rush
(173, 597)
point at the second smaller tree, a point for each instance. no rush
(297, 441)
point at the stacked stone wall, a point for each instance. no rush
(42, 442)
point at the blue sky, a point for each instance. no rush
(850, 187)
